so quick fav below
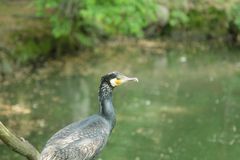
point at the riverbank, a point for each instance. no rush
(82, 62)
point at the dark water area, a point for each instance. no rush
(185, 106)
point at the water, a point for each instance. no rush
(185, 106)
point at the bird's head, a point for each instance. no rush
(116, 78)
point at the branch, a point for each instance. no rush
(18, 145)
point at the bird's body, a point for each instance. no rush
(85, 139)
(78, 141)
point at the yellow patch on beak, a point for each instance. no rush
(118, 82)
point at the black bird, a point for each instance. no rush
(85, 139)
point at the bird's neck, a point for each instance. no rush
(106, 106)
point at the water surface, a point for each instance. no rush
(185, 106)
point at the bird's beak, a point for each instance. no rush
(122, 79)
(125, 79)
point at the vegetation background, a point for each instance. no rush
(33, 31)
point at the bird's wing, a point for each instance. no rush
(77, 140)
(73, 133)
(77, 150)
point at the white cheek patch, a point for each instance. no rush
(113, 82)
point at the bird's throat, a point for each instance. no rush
(106, 106)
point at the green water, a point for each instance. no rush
(185, 106)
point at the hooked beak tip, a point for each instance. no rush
(136, 79)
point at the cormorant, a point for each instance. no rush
(85, 139)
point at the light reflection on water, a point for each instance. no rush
(184, 107)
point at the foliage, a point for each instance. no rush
(82, 22)
(79, 20)
(234, 14)
(210, 20)
(31, 45)
(121, 16)
(178, 18)
(65, 19)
